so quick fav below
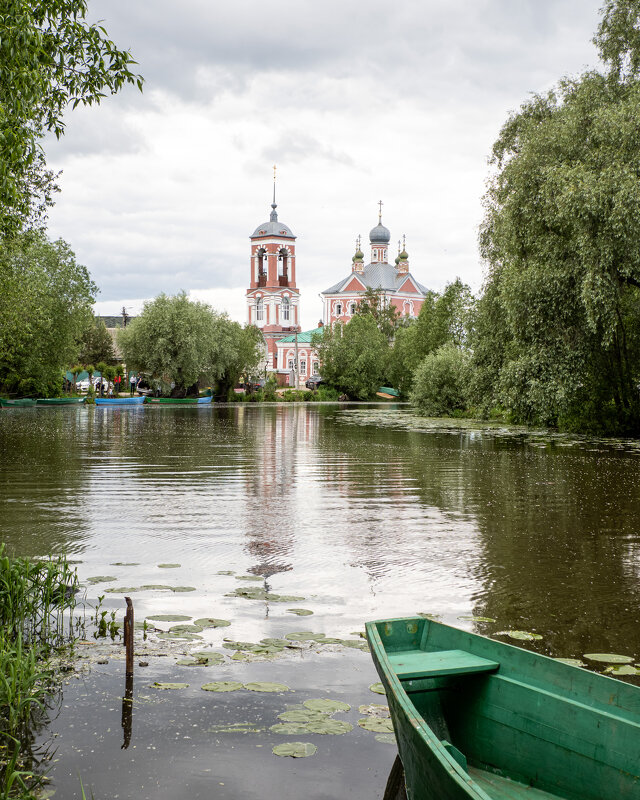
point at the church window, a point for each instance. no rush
(353, 309)
(291, 363)
(338, 309)
(285, 309)
(259, 309)
(303, 366)
(316, 367)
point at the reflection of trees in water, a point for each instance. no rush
(557, 526)
(43, 480)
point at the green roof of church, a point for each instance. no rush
(303, 338)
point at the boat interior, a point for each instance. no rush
(518, 724)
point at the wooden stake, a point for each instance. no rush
(128, 635)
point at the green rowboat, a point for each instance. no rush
(17, 402)
(476, 719)
(60, 401)
(179, 401)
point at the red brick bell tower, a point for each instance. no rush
(272, 296)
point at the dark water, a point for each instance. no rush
(366, 512)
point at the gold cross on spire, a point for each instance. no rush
(380, 212)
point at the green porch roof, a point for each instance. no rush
(303, 338)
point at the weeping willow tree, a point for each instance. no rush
(557, 338)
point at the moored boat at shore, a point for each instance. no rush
(179, 401)
(60, 401)
(17, 402)
(476, 719)
(120, 401)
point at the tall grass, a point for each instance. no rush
(37, 600)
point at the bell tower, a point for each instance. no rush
(272, 297)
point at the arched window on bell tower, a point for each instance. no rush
(283, 266)
(259, 310)
(286, 309)
(261, 257)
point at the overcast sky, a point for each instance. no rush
(354, 101)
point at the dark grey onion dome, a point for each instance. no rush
(273, 227)
(379, 234)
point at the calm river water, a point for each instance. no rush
(362, 511)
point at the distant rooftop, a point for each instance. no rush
(303, 338)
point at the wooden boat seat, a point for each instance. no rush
(412, 664)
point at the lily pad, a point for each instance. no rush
(301, 715)
(623, 669)
(327, 706)
(161, 685)
(387, 738)
(131, 589)
(608, 658)
(376, 724)
(208, 657)
(101, 579)
(188, 637)
(169, 566)
(289, 727)
(265, 686)
(225, 572)
(304, 636)
(375, 710)
(277, 642)
(170, 618)
(185, 629)
(295, 749)
(524, 636)
(182, 588)
(471, 618)
(249, 578)
(335, 727)
(378, 688)
(572, 662)
(211, 622)
(222, 686)
(124, 564)
(300, 612)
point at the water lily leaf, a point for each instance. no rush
(335, 727)
(189, 637)
(208, 657)
(144, 588)
(289, 727)
(326, 705)
(524, 636)
(222, 686)
(608, 658)
(328, 640)
(277, 642)
(376, 724)
(572, 662)
(301, 715)
(248, 592)
(170, 618)
(169, 566)
(161, 685)
(387, 738)
(356, 644)
(265, 686)
(623, 669)
(378, 688)
(295, 749)
(188, 662)
(304, 636)
(185, 629)
(225, 572)
(300, 612)
(182, 588)
(125, 564)
(249, 578)
(101, 579)
(375, 710)
(230, 644)
(284, 598)
(211, 622)
(471, 618)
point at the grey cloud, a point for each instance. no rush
(296, 146)
(97, 130)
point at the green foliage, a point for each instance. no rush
(96, 344)
(442, 381)
(354, 357)
(181, 341)
(561, 305)
(374, 304)
(45, 302)
(51, 58)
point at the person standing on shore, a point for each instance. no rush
(132, 384)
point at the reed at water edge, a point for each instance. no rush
(37, 600)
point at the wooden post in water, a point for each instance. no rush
(128, 635)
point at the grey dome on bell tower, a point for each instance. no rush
(379, 234)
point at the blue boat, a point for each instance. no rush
(120, 401)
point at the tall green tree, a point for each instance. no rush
(560, 240)
(354, 357)
(50, 58)
(96, 344)
(45, 304)
(374, 304)
(181, 341)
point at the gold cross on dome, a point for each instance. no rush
(380, 212)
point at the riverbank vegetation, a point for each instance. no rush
(37, 599)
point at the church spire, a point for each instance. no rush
(274, 213)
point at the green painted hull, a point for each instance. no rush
(476, 719)
(18, 402)
(60, 401)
